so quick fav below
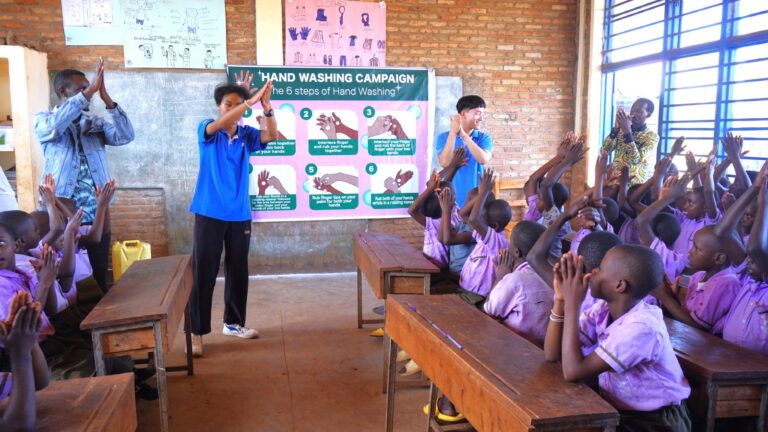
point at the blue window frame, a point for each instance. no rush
(704, 63)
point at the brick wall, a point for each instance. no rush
(139, 214)
(519, 55)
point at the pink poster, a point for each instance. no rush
(335, 33)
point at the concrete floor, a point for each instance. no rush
(311, 369)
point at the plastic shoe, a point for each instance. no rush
(443, 417)
(197, 346)
(239, 331)
(402, 356)
(411, 368)
(379, 332)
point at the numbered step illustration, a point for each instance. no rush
(392, 186)
(390, 133)
(285, 116)
(332, 187)
(331, 132)
(272, 187)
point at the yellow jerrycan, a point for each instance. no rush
(124, 253)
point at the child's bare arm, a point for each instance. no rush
(710, 201)
(621, 198)
(475, 220)
(40, 368)
(574, 287)
(103, 197)
(55, 223)
(414, 210)
(448, 235)
(553, 340)
(669, 301)
(733, 144)
(531, 186)
(231, 116)
(46, 268)
(758, 238)
(601, 170)
(673, 188)
(574, 154)
(67, 264)
(459, 160)
(20, 413)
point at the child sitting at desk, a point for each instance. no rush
(623, 340)
(458, 238)
(19, 332)
(487, 218)
(520, 298)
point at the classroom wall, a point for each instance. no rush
(519, 55)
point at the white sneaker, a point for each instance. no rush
(239, 331)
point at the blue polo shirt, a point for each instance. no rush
(466, 177)
(222, 183)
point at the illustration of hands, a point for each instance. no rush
(263, 182)
(380, 125)
(396, 129)
(330, 179)
(327, 125)
(292, 31)
(401, 178)
(304, 33)
(319, 185)
(277, 184)
(263, 126)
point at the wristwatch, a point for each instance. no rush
(269, 113)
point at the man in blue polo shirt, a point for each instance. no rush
(464, 133)
(222, 208)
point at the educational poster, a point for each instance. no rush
(91, 22)
(335, 33)
(353, 143)
(174, 34)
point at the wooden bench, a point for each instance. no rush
(496, 378)
(726, 379)
(93, 404)
(390, 266)
(141, 314)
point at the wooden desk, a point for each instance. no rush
(498, 380)
(726, 379)
(141, 314)
(391, 266)
(87, 405)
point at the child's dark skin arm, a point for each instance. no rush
(710, 201)
(538, 256)
(574, 287)
(531, 186)
(47, 268)
(553, 340)
(55, 222)
(621, 199)
(67, 263)
(601, 169)
(448, 236)
(475, 220)
(459, 160)
(758, 238)
(20, 413)
(732, 144)
(573, 155)
(691, 166)
(103, 197)
(40, 368)
(673, 188)
(669, 301)
(413, 209)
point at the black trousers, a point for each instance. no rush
(209, 236)
(98, 255)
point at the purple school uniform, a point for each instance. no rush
(23, 263)
(433, 248)
(580, 234)
(674, 263)
(522, 300)
(645, 373)
(532, 214)
(709, 302)
(688, 228)
(747, 322)
(478, 272)
(628, 231)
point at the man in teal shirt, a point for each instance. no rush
(464, 133)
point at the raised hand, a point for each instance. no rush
(456, 124)
(486, 182)
(662, 167)
(266, 97)
(505, 263)
(103, 89)
(447, 199)
(674, 187)
(433, 184)
(105, 193)
(459, 158)
(733, 145)
(624, 121)
(568, 140)
(46, 266)
(327, 126)
(573, 208)
(21, 298)
(396, 128)
(95, 85)
(677, 147)
(574, 282)
(73, 224)
(379, 126)
(305, 32)
(22, 335)
(263, 184)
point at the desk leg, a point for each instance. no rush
(359, 299)
(390, 390)
(98, 353)
(188, 341)
(711, 406)
(387, 363)
(432, 402)
(162, 384)
(427, 284)
(761, 423)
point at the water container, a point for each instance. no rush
(125, 253)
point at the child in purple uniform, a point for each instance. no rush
(520, 298)
(623, 340)
(531, 186)
(747, 323)
(487, 218)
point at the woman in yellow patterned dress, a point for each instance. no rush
(632, 143)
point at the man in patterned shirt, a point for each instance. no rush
(632, 143)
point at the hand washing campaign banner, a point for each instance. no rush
(353, 143)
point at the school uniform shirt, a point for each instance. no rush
(467, 175)
(709, 302)
(83, 267)
(580, 234)
(222, 182)
(747, 322)
(645, 373)
(532, 214)
(433, 247)
(479, 271)
(674, 262)
(628, 231)
(14, 281)
(688, 228)
(23, 263)
(522, 301)
(460, 252)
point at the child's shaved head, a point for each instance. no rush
(641, 267)
(594, 246)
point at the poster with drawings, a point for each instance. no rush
(175, 34)
(91, 22)
(335, 33)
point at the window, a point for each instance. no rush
(704, 63)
